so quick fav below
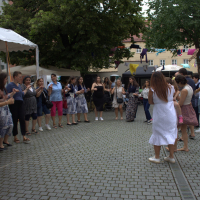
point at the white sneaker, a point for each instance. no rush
(101, 118)
(40, 129)
(168, 159)
(48, 127)
(96, 119)
(154, 160)
(198, 130)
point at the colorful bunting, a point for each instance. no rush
(144, 53)
(133, 68)
(185, 65)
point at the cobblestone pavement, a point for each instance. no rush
(98, 160)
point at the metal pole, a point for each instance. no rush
(7, 62)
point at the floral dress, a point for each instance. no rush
(71, 101)
(81, 103)
(6, 123)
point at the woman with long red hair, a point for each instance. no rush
(164, 117)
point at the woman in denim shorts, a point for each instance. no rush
(41, 107)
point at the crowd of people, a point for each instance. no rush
(175, 106)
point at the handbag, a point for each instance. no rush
(48, 103)
(64, 101)
(119, 100)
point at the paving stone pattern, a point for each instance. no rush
(98, 160)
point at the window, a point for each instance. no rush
(186, 61)
(174, 62)
(139, 51)
(150, 62)
(186, 48)
(162, 62)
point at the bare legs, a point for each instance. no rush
(121, 112)
(47, 118)
(116, 113)
(192, 131)
(157, 151)
(185, 138)
(96, 113)
(73, 118)
(39, 120)
(54, 120)
(33, 124)
(1, 143)
(79, 116)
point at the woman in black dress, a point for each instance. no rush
(98, 97)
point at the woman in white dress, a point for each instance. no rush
(164, 117)
(118, 92)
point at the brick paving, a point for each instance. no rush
(98, 160)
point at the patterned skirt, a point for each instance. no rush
(131, 108)
(81, 104)
(6, 123)
(71, 106)
(189, 115)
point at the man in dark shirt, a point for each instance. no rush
(190, 82)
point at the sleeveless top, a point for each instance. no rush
(189, 96)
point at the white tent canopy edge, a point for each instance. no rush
(16, 42)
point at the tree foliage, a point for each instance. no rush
(74, 34)
(173, 23)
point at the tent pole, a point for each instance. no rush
(37, 62)
(7, 62)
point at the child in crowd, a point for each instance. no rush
(176, 105)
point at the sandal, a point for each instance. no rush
(192, 137)
(180, 139)
(26, 140)
(74, 123)
(69, 124)
(54, 126)
(16, 141)
(34, 131)
(60, 125)
(27, 133)
(9, 145)
(78, 121)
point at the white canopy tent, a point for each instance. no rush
(31, 70)
(12, 41)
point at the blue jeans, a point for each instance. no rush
(146, 109)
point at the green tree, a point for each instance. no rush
(75, 34)
(173, 23)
